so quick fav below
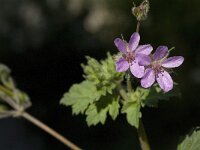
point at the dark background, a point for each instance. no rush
(44, 42)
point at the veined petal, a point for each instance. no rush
(143, 60)
(148, 79)
(165, 81)
(144, 49)
(160, 52)
(137, 70)
(122, 65)
(134, 41)
(173, 62)
(121, 45)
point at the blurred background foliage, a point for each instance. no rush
(44, 42)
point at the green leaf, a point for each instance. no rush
(5, 77)
(21, 98)
(133, 114)
(151, 96)
(97, 112)
(80, 96)
(114, 109)
(131, 106)
(144, 97)
(103, 74)
(191, 141)
(3, 109)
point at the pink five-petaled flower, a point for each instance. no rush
(130, 52)
(157, 68)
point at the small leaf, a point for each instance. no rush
(97, 112)
(114, 109)
(94, 116)
(131, 106)
(151, 96)
(103, 74)
(80, 96)
(133, 114)
(3, 109)
(21, 98)
(191, 141)
(5, 77)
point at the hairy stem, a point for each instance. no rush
(144, 143)
(128, 82)
(50, 131)
(138, 27)
(123, 94)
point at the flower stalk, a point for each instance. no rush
(143, 139)
(138, 26)
(128, 82)
(144, 142)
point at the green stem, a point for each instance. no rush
(144, 142)
(128, 82)
(123, 94)
(138, 27)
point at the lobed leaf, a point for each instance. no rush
(150, 97)
(103, 74)
(80, 96)
(97, 112)
(191, 141)
(132, 109)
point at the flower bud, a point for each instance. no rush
(141, 11)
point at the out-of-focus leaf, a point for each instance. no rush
(8, 91)
(80, 96)
(191, 141)
(3, 109)
(21, 98)
(5, 77)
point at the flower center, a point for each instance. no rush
(129, 56)
(156, 65)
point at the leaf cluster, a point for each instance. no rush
(102, 93)
(97, 95)
(11, 98)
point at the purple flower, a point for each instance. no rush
(130, 52)
(158, 67)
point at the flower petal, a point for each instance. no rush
(137, 70)
(121, 45)
(160, 52)
(134, 41)
(144, 49)
(122, 65)
(173, 62)
(143, 60)
(165, 81)
(149, 78)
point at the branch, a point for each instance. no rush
(49, 130)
